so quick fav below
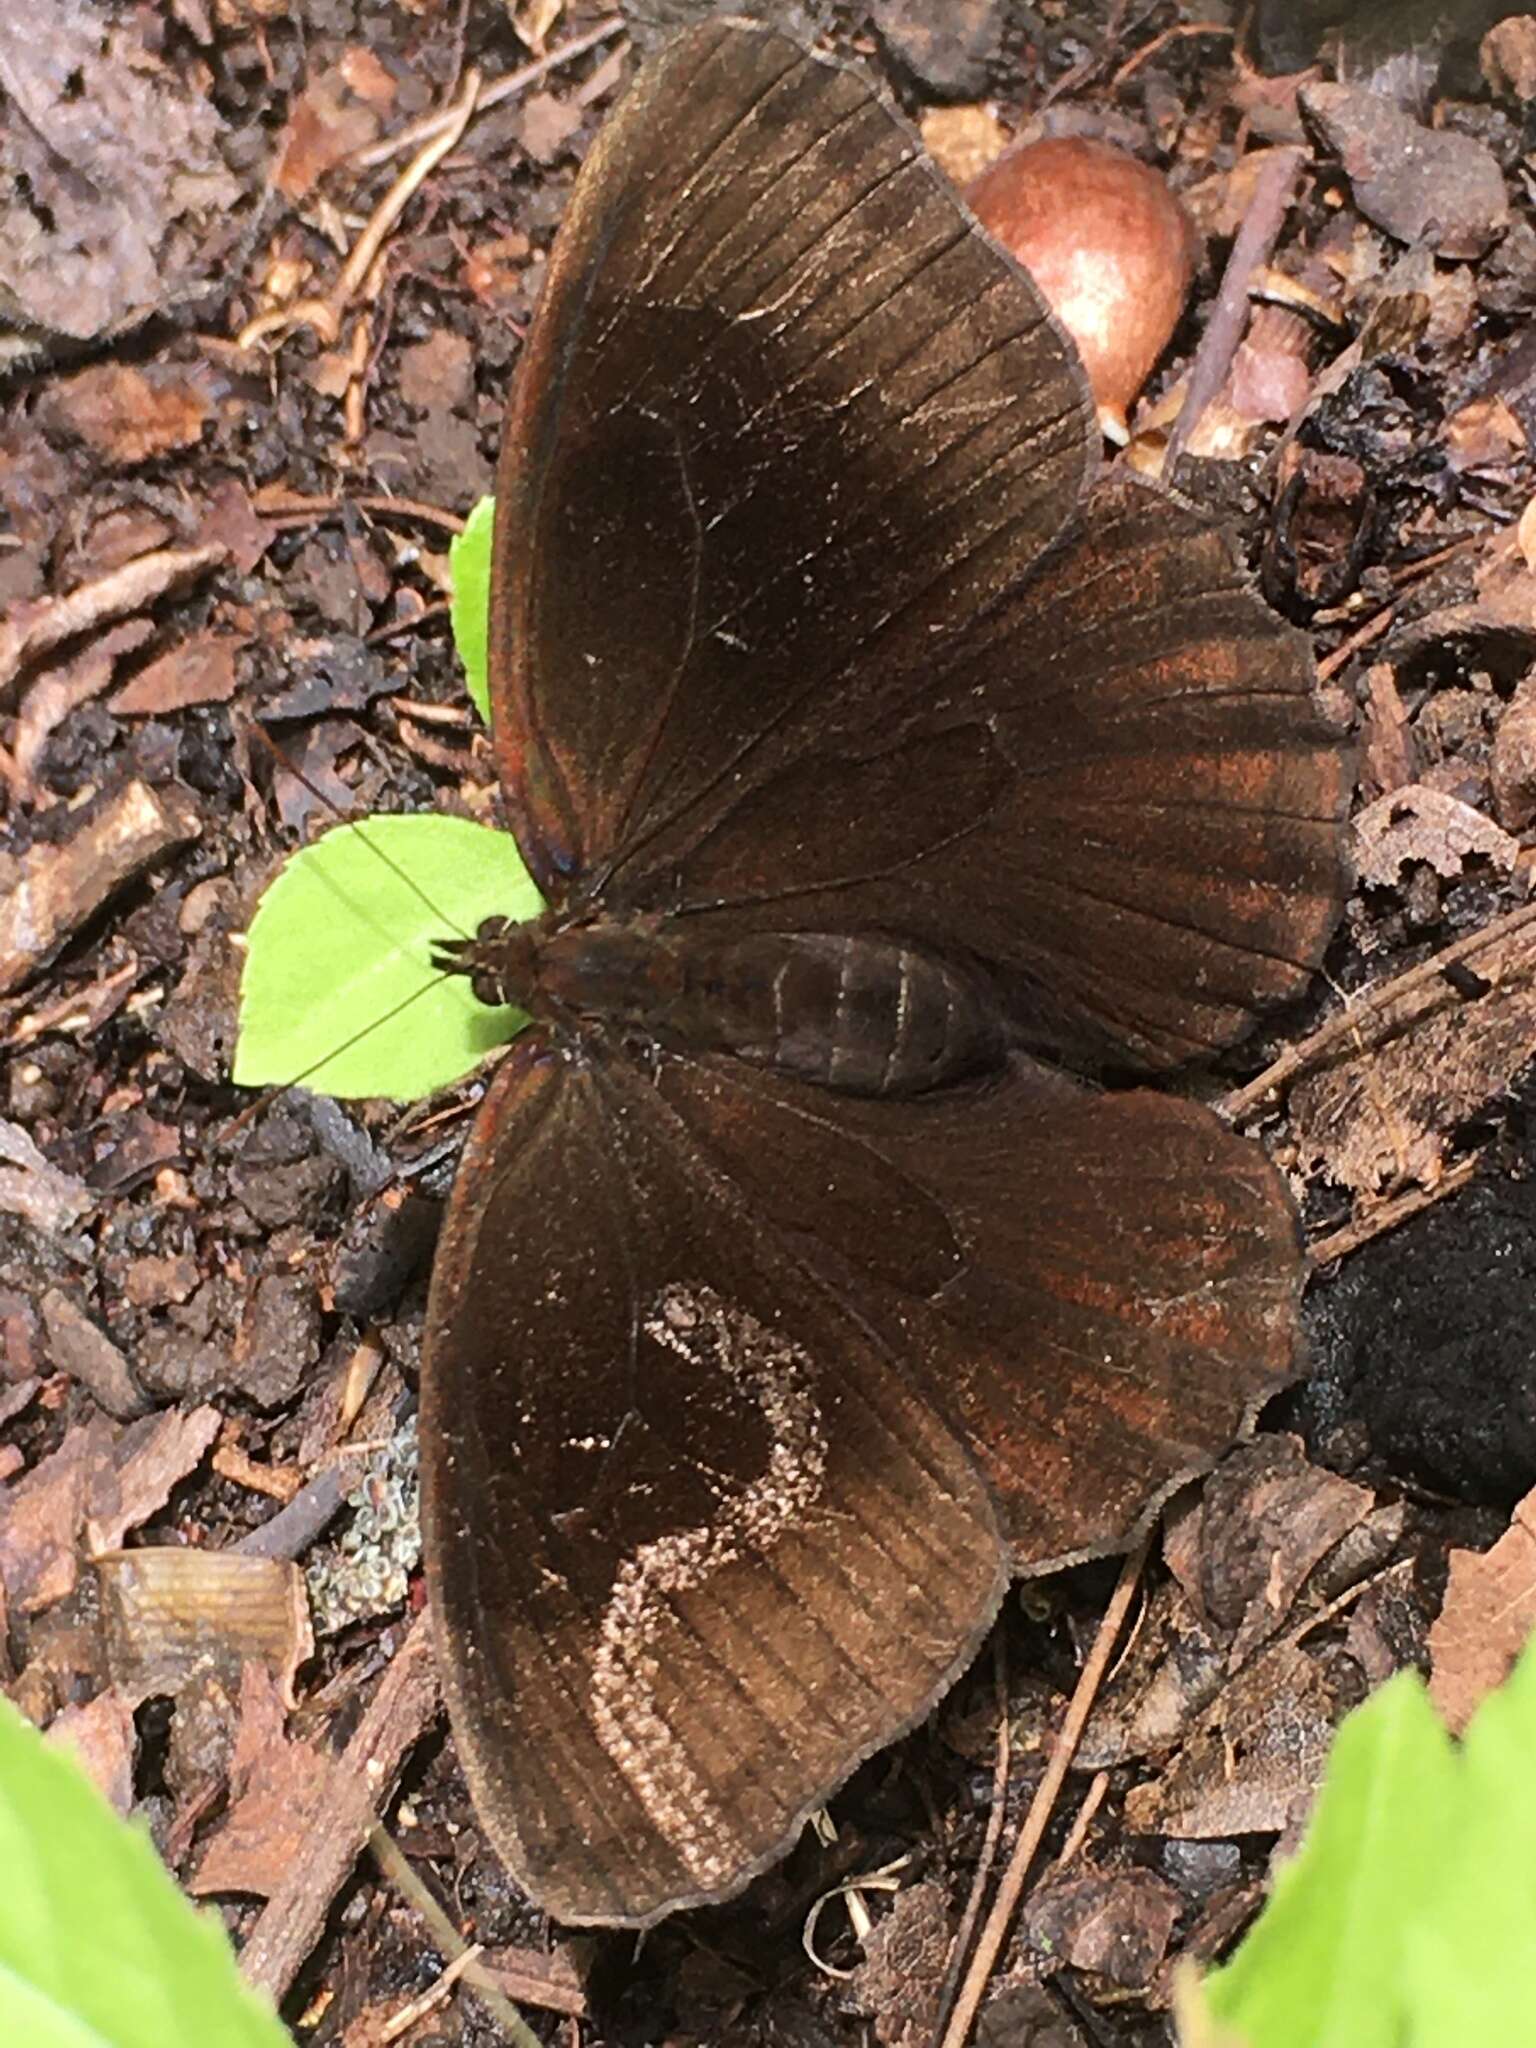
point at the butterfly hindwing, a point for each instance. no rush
(677, 1492)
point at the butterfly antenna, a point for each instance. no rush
(270, 1095)
(356, 825)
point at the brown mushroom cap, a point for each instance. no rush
(1108, 244)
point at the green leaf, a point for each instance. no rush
(339, 992)
(469, 570)
(98, 1948)
(1470, 1963)
(1323, 1965)
(1409, 1918)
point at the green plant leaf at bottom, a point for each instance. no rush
(339, 992)
(1324, 1963)
(98, 1949)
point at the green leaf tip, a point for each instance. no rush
(469, 607)
(98, 1947)
(338, 990)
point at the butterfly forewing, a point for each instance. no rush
(784, 418)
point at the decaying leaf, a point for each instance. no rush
(1488, 1616)
(168, 1614)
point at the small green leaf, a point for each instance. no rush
(1323, 1965)
(469, 568)
(98, 1949)
(339, 991)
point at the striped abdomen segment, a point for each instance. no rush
(867, 1015)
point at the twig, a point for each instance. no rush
(1251, 250)
(1299, 1058)
(1362, 636)
(1009, 1892)
(298, 510)
(1387, 1215)
(1149, 50)
(492, 95)
(1093, 1799)
(462, 1959)
(325, 314)
(960, 1948)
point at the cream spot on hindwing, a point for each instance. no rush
(715, 1334)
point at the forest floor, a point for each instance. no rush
(230, 467)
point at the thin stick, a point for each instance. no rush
(1181, 28)
(1362, 636)
(1078, 1834)
(960, 1948)
(432, 125)
(1251, 250)
(1009, 1892)
(395, 1866)
(324, 314)
(1388, 1215)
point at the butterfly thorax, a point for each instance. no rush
(859, 1012)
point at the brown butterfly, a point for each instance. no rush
(864, 750)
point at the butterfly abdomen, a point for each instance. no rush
(863, 1014)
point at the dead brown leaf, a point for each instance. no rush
(546, 126)
(1254, 1758)
(126, 414)
(899, 1979)
(1374, 1091)
(1267, 1518)
(331, 118)
(1114, 1923)
(1488, 1616)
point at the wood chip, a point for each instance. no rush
(280, 1793)
(396, 1718)
(87, 1354)
(52, 1201)
(200, 671)
(41, 1515)
(31, 630)
(59, 889)
(100, 1736)
(148, 1460)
